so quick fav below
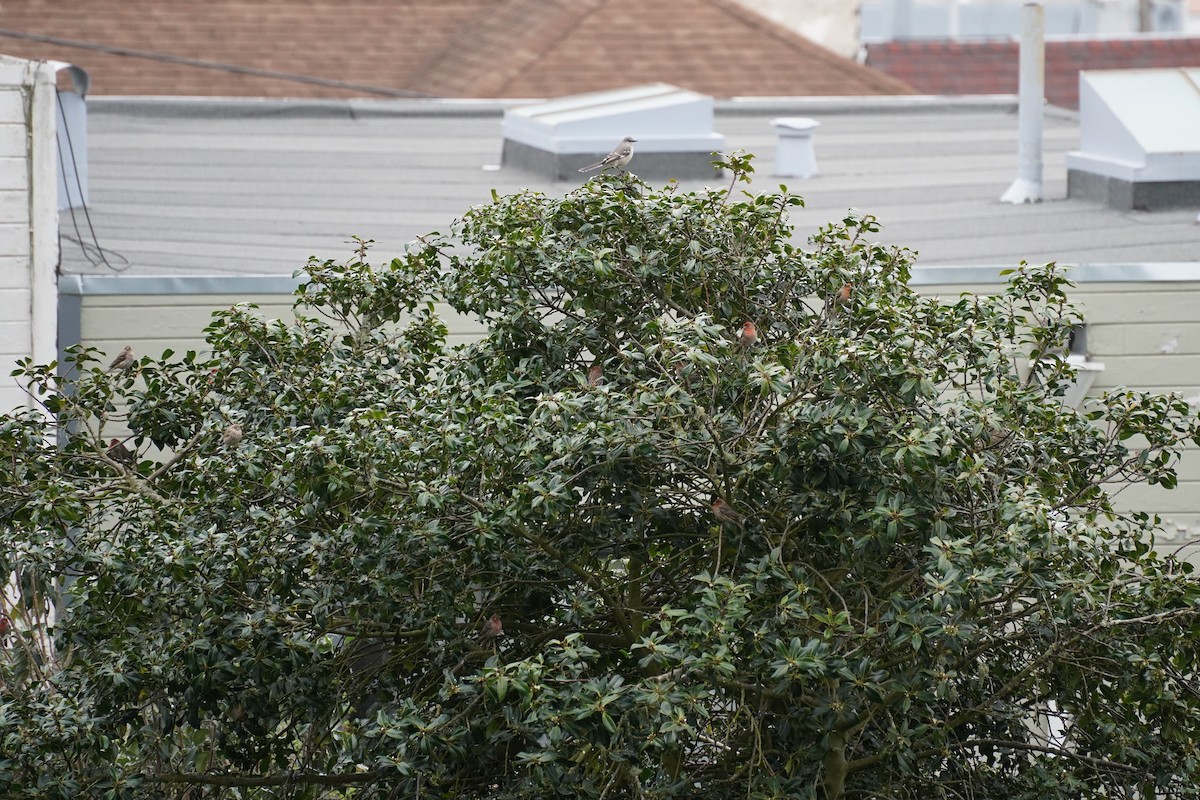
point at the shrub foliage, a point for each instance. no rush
(865, 553)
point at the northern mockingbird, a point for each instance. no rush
(617, 159)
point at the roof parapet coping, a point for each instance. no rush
(260, 107)
(934, 275)
(165, 106)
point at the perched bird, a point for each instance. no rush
(617, 159)
(232, 435)
(748, 335)
(725, 513)
(124, 360)
(844, 293)
(595, 374)
(491, 630)
(5, 623)
(119, 453)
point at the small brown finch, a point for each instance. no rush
(119, 453)
(844, 293)
(491, 630)
(725, 513)
(124, 360)
(595, 374)
(748, 334)
(232, 435)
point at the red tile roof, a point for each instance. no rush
(452, 48)
(990, 67)
(542, 48)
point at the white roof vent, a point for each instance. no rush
(1139, 132)
(673, 128)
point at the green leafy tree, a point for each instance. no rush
(613, 548)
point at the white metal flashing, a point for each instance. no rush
(1149, 272)
(99, 285)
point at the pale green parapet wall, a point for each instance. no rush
(1143, 325)
(153, 313)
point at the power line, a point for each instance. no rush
(92, 251)
(167, 58)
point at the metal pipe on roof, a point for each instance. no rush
(1031, 99)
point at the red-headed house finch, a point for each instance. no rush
(844, 293)
(119, 453)
(748, 335)
(124, 360)
(491, 630)
(232, 435)
(725, 513)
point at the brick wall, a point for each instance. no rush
(990, 67)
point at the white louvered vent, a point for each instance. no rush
(1139, 133)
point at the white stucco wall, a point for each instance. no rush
(833, 24)
(28, 220)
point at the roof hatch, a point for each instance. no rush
(673, 128)
(1139, 138)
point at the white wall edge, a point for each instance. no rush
(43, 212)
(99, 285)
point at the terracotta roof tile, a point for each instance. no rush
(712, 46)
(454, 48)
(990, 67)
(386, 40)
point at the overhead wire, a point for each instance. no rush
(199, 63)
(93, 252)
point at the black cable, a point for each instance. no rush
(199, 63)
(92, 251)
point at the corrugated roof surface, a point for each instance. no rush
(448, 48)
(256, 187)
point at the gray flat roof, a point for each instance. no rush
(251, 187)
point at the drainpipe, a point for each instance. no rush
(1031, 99)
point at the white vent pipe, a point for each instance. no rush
(1031, 98)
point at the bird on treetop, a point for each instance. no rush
(748, 335)
(617, 159)
(124, 360)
